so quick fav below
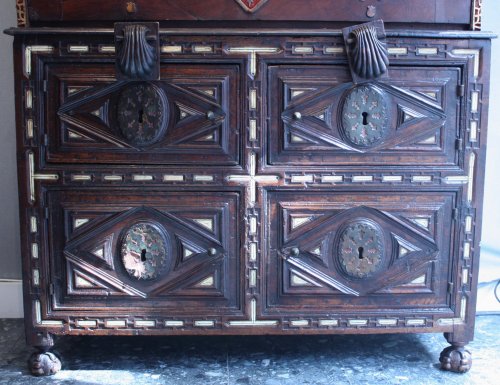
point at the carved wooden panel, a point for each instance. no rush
(189, 116)
(323, 119)
(144, 249)
(371, 249)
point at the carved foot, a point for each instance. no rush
(44, 364)
(455, 359)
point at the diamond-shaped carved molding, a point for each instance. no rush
(107, 258)
(251, 5)
(141, 117)
(357, 251)
(365, 118)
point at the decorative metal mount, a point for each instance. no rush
(366, 51)
(137, 51)
(251, 5)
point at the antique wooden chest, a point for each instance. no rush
(250, 167)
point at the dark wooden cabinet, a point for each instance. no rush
(250, 167)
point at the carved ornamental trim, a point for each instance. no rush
(251, 5)
(22, 19)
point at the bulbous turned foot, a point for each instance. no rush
(44, 364)
(455, 359)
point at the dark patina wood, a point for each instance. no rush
(254, 178)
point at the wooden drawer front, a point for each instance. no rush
(189, 116)
(368, 250)
(177, 250)
(421, 11)
(321, 118)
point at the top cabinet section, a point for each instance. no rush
(458, 12)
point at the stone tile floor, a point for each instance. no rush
(264, 360)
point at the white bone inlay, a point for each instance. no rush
(465, 276)
(466, 250)
(302, 50)
(456, 179)
(430, 140)
(415, 322)
(34, 49)
(252, 53)
(74, 135)
(173, 178)
(449, 321)
(299, 221)
(357, 322)
(81, 177)
(328, 322)
(174, 324)
(468, 224)
(33, 176)
(36, 277)
(302, 179)
(422, 222)
(206, 282)
(427, 51)
(99, 252)
(113, 178)
(334, 50)
(86, 323)
(469, 52)
(473, 131)
(397, 51)
(33, 224)
(299, 323)
(253, 99)
(253, 225)
(203, 49)
(106, 49)
(463, 308)
(392, 178)
(205, 222)
(203, 178)
(115, 323)
(474, 101)
(34, 250)
(419, 281)
(42, 322)
(299, 281)
(253, 252)
(332, 179)
(387, 321)
(142, 178)
(253, 129)
(80, 222)
(252, 279)
(171, 49)
(470, 189)
(421, 178)
(30, 130)
(362, 178)
(144, 323)
(78, 48)
(253, 318)
(29, 98)
(204, 324)
(82, 283)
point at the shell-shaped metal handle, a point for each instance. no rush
(137, 51)
(368, 56)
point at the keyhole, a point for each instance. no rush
(365, 118)
(143, 255)
(141, 116)
(360, 252)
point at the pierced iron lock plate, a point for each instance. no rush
(144, 251)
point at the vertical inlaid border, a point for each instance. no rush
(476, 15)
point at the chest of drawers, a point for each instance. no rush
(250, 167)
